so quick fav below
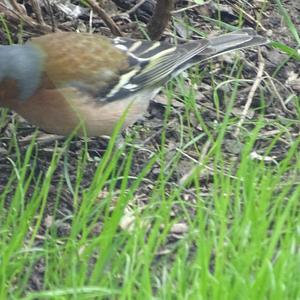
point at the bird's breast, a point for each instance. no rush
(61, 111)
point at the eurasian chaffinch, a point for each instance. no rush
(61, 79)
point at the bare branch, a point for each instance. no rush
(160, 18)
(105, 17)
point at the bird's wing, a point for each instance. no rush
(154, 63)
(110, 69)
(114, 69)
(151, 64)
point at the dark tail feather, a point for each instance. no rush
(236, 40)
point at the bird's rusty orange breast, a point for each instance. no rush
(61, 111)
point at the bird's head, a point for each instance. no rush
(20, 71)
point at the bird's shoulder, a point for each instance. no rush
(86, 58)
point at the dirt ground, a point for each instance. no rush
(148, 130)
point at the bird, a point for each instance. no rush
(64, 81)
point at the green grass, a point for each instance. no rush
(240, 238)
(241, 241)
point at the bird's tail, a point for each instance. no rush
(240, 39)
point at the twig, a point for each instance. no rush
(135, 7)
(37, 10)
(15, 17)
(271, 80)
(254, 87)
(50, 13)
(16, 6)
(41, 139)
(273, 88)
(183, 9)
(105, 17)
(239, 10)
(160, 18)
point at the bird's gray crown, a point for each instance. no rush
(22, 63)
